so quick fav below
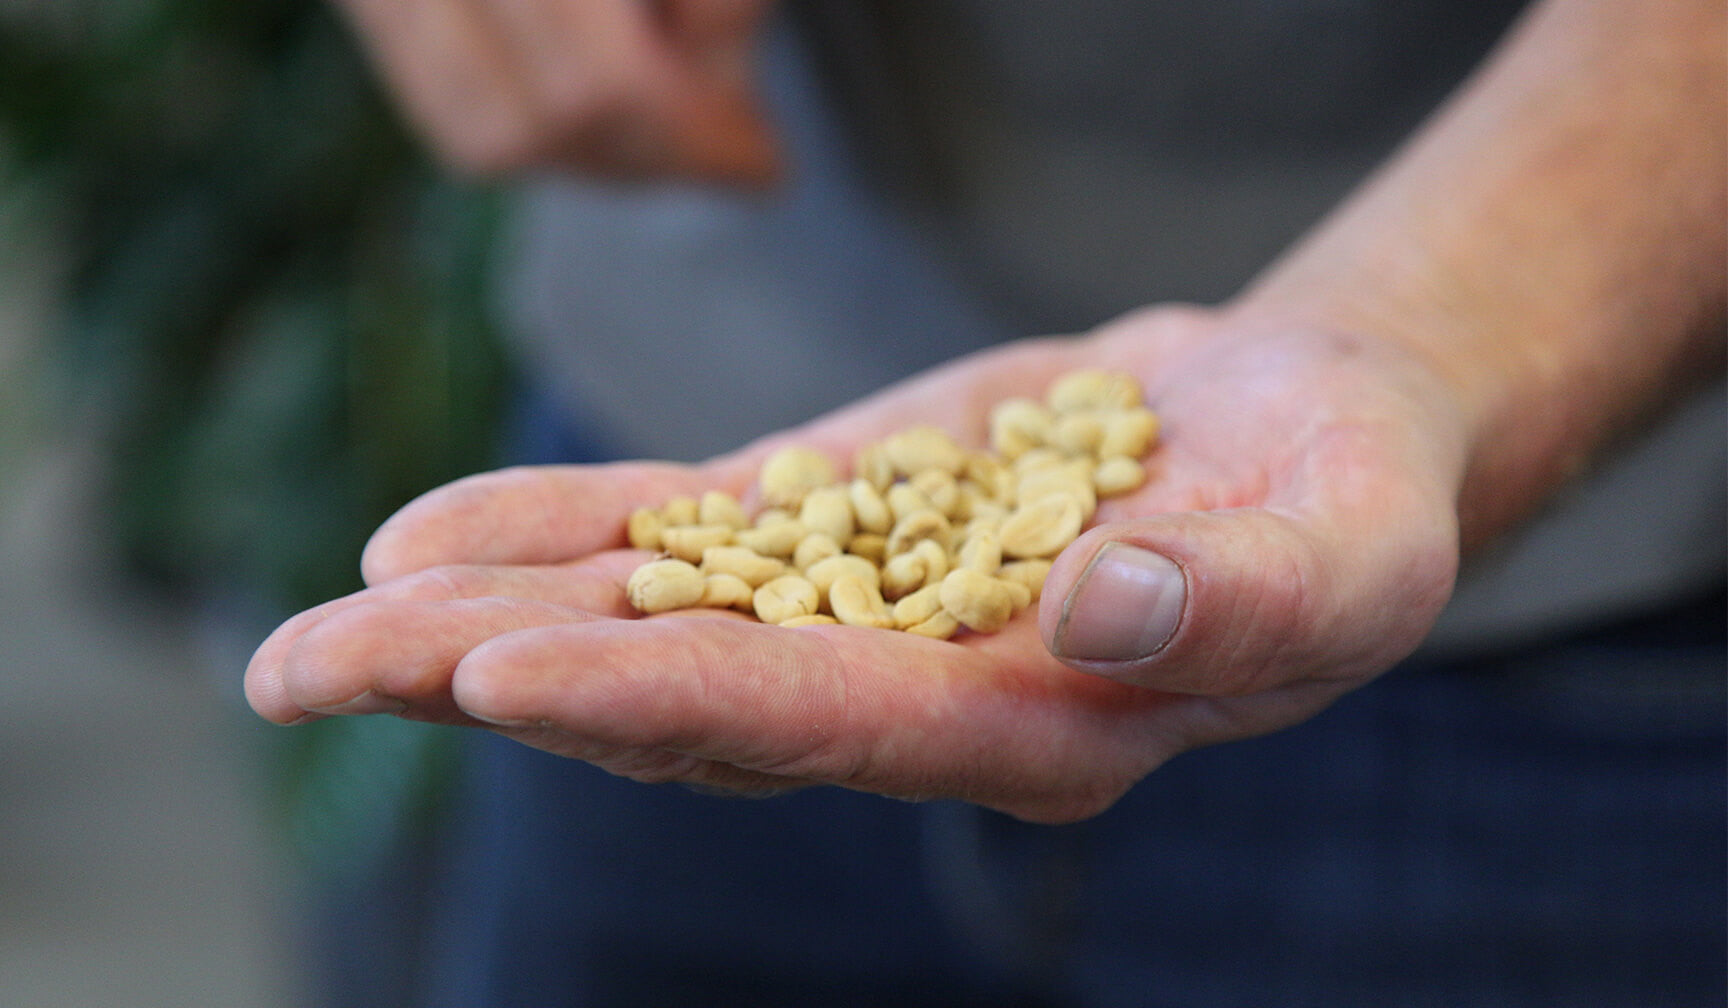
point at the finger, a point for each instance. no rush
(620, 89)
(886, 713)
(717, 44)
(1245, 600)
(453, 74)
(1307, 534)
(571, 48)
(711, 29)
(596, 586)
(394, 657)
(528, 515)
(551, 514)
(591, 71)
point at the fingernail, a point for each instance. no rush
(369, 702)
(1125, 606)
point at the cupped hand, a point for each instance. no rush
(1297, 536)
(630, 89)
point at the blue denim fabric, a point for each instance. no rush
(1543, 828)
(1440, 838)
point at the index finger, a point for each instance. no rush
(528, 515)
(864, 709)
(552, 514)
(450, 69)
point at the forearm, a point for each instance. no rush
(1552, 243)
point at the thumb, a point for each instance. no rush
(721, 33)
(1223, 603)
(725, 130)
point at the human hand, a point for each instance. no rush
(1297, 537)
(619, 88)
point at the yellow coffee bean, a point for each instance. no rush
(681, 511)
(1042, 528)
(918, 606)
(742, 562)
(813, 548)
(1073, 477)
(869, 508)
(993, 477)
(1021, 595)
(937, 562)
(1091, 388)
(1019, 425)
(871, 464)
(926, 524)
(1130, 432)
(790, 473)
(643, 529)
(726, 591)
(974, 500)
(871, 546)
(823, 573)
(1118, 474)
(1030, 573)
(925, 535)
(855, 601)
(989, 521)
(982, 551)
(941, 626)
(978, 601)
(716, 507)
(783, 598)
(773, 539)
(1078, 433)
(686, 542)
(664, 585)
(904, 574)
(904, 499)
(828, 510)
(916, 449)
(940, 487)
(1037, 458)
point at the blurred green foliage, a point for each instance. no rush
(277, 302)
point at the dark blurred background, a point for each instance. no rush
(242, 319)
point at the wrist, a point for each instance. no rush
(1549, 245)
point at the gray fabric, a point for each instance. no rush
(1085, 158)
(1647, 528)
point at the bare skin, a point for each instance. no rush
(616, 88)
(1536, 272)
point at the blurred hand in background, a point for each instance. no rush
(617, 88)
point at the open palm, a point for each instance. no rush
(1305, 491)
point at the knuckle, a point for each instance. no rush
(443, 582)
